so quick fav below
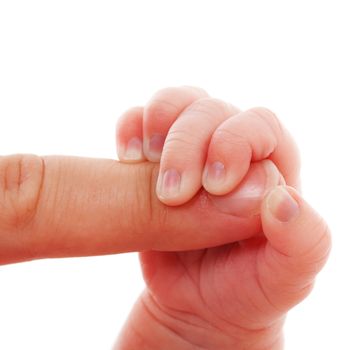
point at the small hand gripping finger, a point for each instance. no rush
(185, 149)
(141, 131)
(160, 113)
(250, 136)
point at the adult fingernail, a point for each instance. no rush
(214, 175)
(154, 147)
(282, 205)
(132, 151)
(168, 185)
(245, 200)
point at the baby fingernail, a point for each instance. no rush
(132, 151)
(245, 200)
(214, 174)
(155, 147)
(168, 185)
(282, 205)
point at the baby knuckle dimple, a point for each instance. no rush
(21, 178)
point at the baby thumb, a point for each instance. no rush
(298, 246)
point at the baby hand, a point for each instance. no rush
(202, 141)
(234, 296)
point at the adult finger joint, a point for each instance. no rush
(21, 178)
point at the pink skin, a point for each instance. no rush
(184, 152)
(42, 197)
(233, 296)
(161, 112)
(207, 142)
(221, 270)
(250, 136)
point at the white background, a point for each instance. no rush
(69, 68)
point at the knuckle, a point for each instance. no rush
(131, 114)
(180, 146)
(227, 136)
(180, 137)
(269, 118)
(162, 104)
(159, 109)
(209, 107)
(21, 177)
(165, 102)
(129, 123)
(229, 141)
(165, 93)
(197, 90)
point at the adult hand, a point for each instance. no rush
(55, 206)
